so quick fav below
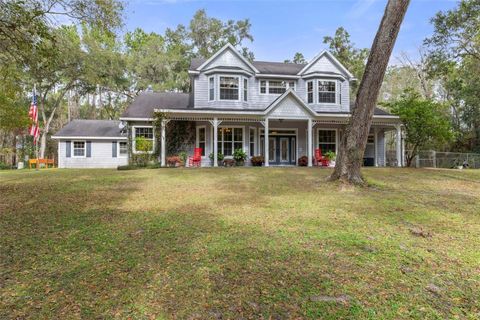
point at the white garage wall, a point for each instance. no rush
(101, 156)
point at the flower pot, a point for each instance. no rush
(331, 163)
(240, 163)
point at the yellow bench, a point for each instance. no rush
(38, 162)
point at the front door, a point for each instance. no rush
(283, 150)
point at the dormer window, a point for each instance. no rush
(229, 87)
(211, 88)
(326, 91)
(275, 86)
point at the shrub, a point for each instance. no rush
(220, 156)
(183, 156)
(4, 166)
(239, 155)
(257, 161)
(330, 155)
(174, 161)
(229, 162)
(303, 161)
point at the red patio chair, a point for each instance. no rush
(196, 160)
(319, 159)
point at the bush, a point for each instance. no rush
(330, 155)
(4, 166)
(220, 156)
(303, 161)
(174, 161)
(183, 156)
(257, 161)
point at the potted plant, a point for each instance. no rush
(302, 161)
(220, 158)
(239, 156)
(174, 161)
(257, 161)
(330, 155)
(183, 156)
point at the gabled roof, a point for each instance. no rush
(91, 128)
(264, 67)
(228, 46)
(145, 103)
(289, 93)
(332, 57)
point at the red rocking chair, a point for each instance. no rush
(319, 159)
(196, 160)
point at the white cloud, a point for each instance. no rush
(360, 8)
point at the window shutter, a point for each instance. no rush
(68, 149)
(114, 149)
(89, 149)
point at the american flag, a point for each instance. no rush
(33, 114)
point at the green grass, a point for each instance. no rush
(238, 243)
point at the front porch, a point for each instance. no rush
(285, 139)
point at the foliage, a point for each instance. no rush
(298, 58)
(183, 157)
(426, 122)
(239, 155)
(302, 161)
(128, 167)
(352, 58)
(4, 166)
(208, 35)
(144, 147)
(257, 161)
(330, 155)
(220, 156)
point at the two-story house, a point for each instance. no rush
(286, 109)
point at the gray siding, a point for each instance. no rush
(101, 156)
(261, 101)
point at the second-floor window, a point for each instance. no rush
(229, 88)
(326, 92)
(245, 89)
(275, 86)
(310, 91)
(211, 88)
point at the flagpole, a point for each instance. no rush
(35, 137)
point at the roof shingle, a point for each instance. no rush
(91, 128)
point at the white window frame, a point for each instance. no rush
(134, 150)
(267, 88)
(239, 87)
(254, 129)
(318, 92)
(119, 155)
(243, 140)
(84, 149)
(210, 88)
(197, 139)
(318, 138)
(313, 91)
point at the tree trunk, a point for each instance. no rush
(352, 148)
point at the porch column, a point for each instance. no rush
(399, 145)
(403, 149)
(267, 152)
(310, 146)
(215, 124)
(375, 139)
(162, 142)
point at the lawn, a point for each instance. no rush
(249, 243)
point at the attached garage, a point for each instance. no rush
(92, 144)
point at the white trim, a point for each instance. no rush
(118, 150)
(313, 91)
(299, 100)
(209, 88)
(317, 100)
(219, 70)
(89, 138)
(323, 75)
(254, 141)
(233, 141)
(327, 129)
(219, 89)
(267, 87)
(276, 76)
(315, 59)
(139, 119)
(225, 47)
(134, 151)
(245, 79)
(84, 148)
(197, 141)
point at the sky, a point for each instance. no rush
(282, 27)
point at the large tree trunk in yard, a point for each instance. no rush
(352, 148)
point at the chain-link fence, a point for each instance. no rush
(435, 159)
